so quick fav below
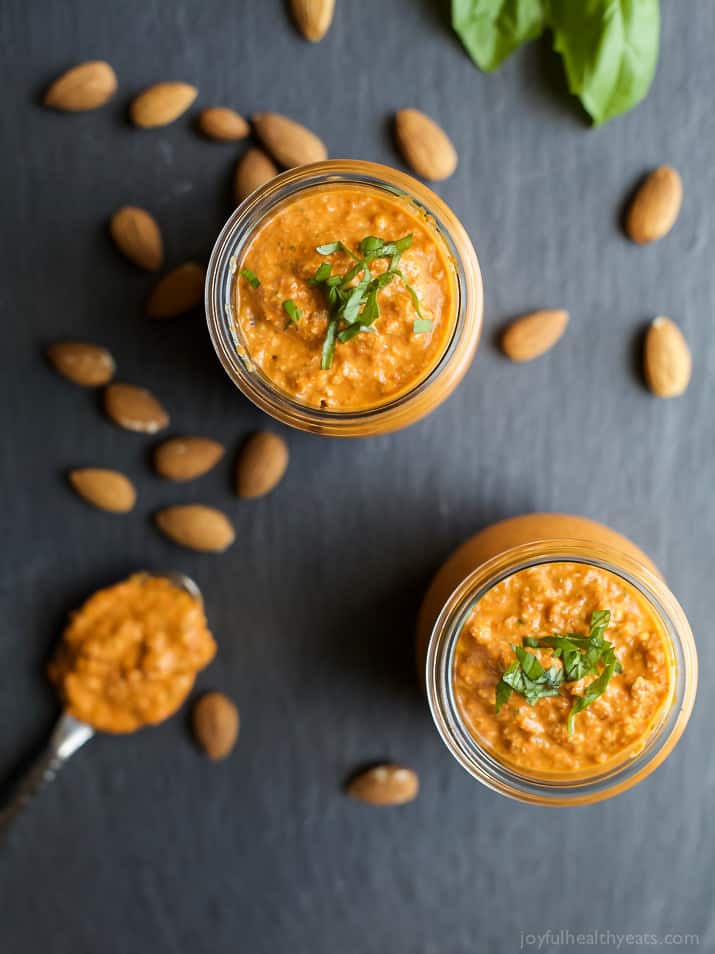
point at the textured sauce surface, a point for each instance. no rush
(370, 369)
(559, 598)
(130, 654)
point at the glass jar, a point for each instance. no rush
(429, 391)
(489, 558)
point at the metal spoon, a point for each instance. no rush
(68, 735)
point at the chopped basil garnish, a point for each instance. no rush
(580, 656)
(292, 310)
(250, 277)
(356, 305)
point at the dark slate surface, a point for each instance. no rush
(143, 847)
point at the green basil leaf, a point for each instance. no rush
(326, 357)
(322, 274)
(610, 51)
(350, 332)
(492, 29)
(591, 693)
(504, 692)
(370, 244)
(600, 620)
(292, 310)
(331, 247)
(250, 277)
(371, 311)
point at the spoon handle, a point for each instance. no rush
(67, 736)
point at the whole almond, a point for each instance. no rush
(222, 123)
(197, 527)
(666, 359)
(137, 235)
(215, 722)
(86, 86)
(177, 292)
(532, 335)
(135, 409)
(253, 170)
(289, 143)
(425, 145)
(655, 206)
(106, 489)
(183, 458)
(161, 104)
(313, 17)
(261, 464)
(385, 785)
(85, 364)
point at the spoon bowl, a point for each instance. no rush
(69, 734)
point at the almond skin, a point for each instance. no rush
(86, 86)
(289, 143)
(184, 458)
(134, 409)
(425, 145)
(313, 17)
(161, 104)
(222, 123)
(667, 363)
(386, 784)
(253, 170)
(215, 721)
(197, 527)
(532, 335)
(105, 489)
(85, 364)
(138, 237)
(655, 206)
(261, 464)
(177, 292)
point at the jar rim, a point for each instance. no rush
(408, 406)
(558, 790)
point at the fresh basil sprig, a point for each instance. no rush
(354, 307)
(609, 47)
(580, 656)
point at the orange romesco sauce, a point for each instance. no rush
(130, 654)
(559, 598)
(370, 369)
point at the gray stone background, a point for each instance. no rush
(142, 846)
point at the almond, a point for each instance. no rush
(532, 335)
(261, 464)
(177, 292)
(425, 145)
(220, 122)
(183, 458)
(134, 408)
(313, 17)
(86, 86)
(85, 364)
(216, 722)
(655, 206)
(253, 170)
(289, 143)
(137, 235)
(385, 785)
(197, 527)
(106, 489)
(161, 104)
(666, 359)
